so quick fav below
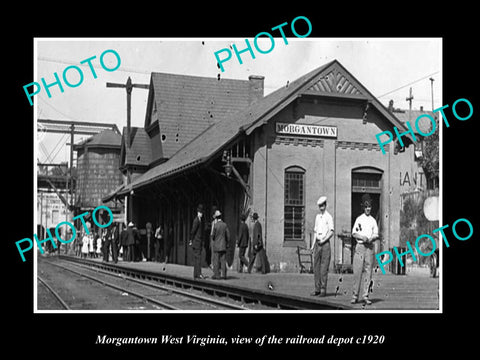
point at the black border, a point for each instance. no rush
(406, 334)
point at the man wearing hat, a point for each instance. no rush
(220, 241)
(132, 238)
(243, 240)
(321, 247)
(196, 239)
(258, 249)
(365, 231)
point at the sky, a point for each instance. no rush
(386, 67)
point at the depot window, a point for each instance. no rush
(294, 210)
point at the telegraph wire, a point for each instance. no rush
(49, 155)
(411, 83)
(148, 72)
(68, 62)
(55, 109)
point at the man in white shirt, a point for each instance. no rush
(365, 231)
(321, 247)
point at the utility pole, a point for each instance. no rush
(128, 87)
(409, 99)
(431, 82)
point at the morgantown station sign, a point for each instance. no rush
(311, 130)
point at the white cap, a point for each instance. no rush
(217, 213)
(321, 200)
(130, 223)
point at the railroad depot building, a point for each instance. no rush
(223, 144)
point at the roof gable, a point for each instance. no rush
(340, 83)
(334, 81)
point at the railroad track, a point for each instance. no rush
(164, 297)
(57, 297)
(246, 296)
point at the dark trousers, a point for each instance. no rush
(158, 250)
(208, 252)
(168, 252)
(197, 262)
(115, 251)
(131, 252)
(263, 265)
(321, 262)
(219, 264)
(106, 250)
(125, 252)
(252, 261)
(242, 258)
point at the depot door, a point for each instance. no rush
(366, 180)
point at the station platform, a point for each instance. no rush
(415, 291)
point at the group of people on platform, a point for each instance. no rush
(220, 241)
(117, 241)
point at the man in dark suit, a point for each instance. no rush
(196, 239)
(111, 241)
(220, 241)
(257, 244)
(242, 243)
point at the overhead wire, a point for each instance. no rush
(68, 117)
(69, 62)
(49, 154)
(410, 83)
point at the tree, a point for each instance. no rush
(431, 157)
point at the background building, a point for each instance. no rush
(98, 160)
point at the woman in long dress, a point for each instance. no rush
(100, 242)
(85, 241)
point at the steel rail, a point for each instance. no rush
(189, 295)
(116, 287)
(271, 299)
(54, 293)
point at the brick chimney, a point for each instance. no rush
(256, 87)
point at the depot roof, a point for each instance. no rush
(216, 137)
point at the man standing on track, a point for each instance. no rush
(321, 247)
(196, 240)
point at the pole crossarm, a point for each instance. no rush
(79, 127)
(128, 86)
